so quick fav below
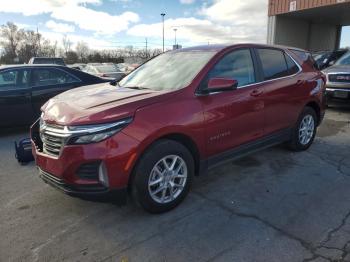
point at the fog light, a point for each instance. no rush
(102, 175)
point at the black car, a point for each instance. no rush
(25, 88)
(326, 59)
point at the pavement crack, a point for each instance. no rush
(338, 165)
(336, 229)
(308, 246)
(158, 233)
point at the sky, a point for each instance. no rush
(107, 24)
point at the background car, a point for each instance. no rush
(325, 59)
(78, 66)
(338, 78)
(25, 88)
(104, 70)
(47, 60)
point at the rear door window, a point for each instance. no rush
(237, 65)
(52, 76)
(14, 79)
(273, 62)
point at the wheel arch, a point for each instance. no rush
(181, 138)
(315, 106)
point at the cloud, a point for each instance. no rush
(97, 21)
(74, 11)
(219, 22)
(94, 42)
(59, 27)
(192, 29)
(36, 7)
(241, 12)
(187, 2)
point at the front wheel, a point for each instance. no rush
(163, 176)
(305, 130)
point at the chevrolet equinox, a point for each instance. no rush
(176, 116)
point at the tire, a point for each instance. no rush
(154, 172)
(303, 140)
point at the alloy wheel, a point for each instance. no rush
(306, 129)
(167, 179)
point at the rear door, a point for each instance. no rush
(48, 82)
(15, 97)
(282, 81)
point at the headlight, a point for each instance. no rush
(95, 133)
(41, 121)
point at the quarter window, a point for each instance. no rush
(292, 66)
(52, 76)
(237, 65)
(273, 63)
(306, 57)
(13, 79)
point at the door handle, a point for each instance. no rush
(256, 92)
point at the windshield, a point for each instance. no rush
(319, 57)
(344, 60)
(169, 71)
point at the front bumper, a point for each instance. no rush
(339, 91)
(97, 190)
(62, 172)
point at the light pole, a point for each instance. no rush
(163, 14)
(175, 29)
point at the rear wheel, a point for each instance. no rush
(163, 176)
(305, 130)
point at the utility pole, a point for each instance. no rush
(163, 14)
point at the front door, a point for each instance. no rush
(233, 117)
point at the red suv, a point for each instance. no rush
(176, 116)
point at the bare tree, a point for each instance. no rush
(18, 46)
(47, 49)
(11, 38)
(82, 50)
(30, 46)
(67, 44)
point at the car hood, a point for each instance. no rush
(337, 69)
(99, 103)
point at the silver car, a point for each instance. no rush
(107, 70)
(338, 78)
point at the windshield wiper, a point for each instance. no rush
(116, 83)
(137, 87)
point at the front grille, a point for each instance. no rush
(339, 78)
(52, 144)
(89, 171)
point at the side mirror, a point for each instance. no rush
(221, 84)
(331, 63)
